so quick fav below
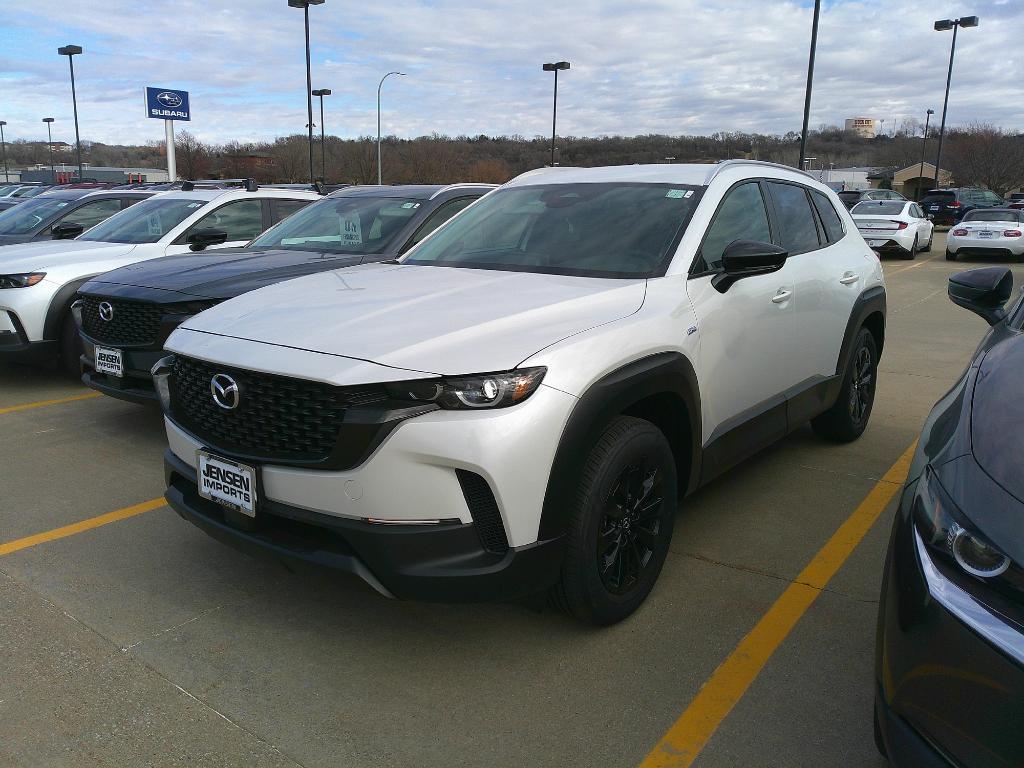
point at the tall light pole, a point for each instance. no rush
(304, 5)
(810, 81)
(554, 67)
(321, 92)
(945, 25)
(3, 147)
(379, 86)
(71, 51)
(924, 144)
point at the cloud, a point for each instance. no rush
(649, 66)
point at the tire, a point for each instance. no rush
(879, 741)
(70, 347)
(846, 420)
(913, 250)
(601, 581)
(928, 246)
(950, 256)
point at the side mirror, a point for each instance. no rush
(204, 238)
(66, 231)
(748, 258)
(983, 291)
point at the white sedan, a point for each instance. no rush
(894, 226)
(987, 232)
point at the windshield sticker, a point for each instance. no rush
(194, 205)
(410, 205)
(351, 231)
(677, 193)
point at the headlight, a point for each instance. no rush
(948, 534)
(21, 281)
(486, 390)
(161, 381)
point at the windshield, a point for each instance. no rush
(849, 195)
(1010, 216)
(29, 191)
(26, 217)
(600, 230)
(144, 222)
(342, 224)
(879, 207)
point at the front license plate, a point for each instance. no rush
(109, 361)
(227, 482)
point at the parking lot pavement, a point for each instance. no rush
(140, 641)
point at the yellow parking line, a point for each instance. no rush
(911, 266)
(79, 527)
(44, 403)
(690, 733)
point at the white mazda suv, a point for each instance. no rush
(520, 402)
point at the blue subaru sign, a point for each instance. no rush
(165, 104)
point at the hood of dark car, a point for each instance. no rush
(997, 417)
(12, 239)
(222, 273)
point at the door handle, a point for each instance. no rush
(849, 278)
(781, 296)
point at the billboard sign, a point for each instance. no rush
(167, 104)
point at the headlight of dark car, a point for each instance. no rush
(486, 390)
(21, 281)
(951, 538)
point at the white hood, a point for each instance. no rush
(431, 319)
(34, 257)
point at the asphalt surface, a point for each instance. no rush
(144, 643)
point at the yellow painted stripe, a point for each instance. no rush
(44, 403)
(84, 525)
(690, 733)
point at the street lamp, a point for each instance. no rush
(554, 67)
(49, 145)
(70, 51)
(321, 92)
(3, 147)
(304, 5)
(810, 81)
(379, 86)
(945, 25)
(924, 143)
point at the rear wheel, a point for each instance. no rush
(950, 256)
(621, 525)
(70, 346)
(913, 249)
(846, 420)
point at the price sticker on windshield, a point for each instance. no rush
(351, 231)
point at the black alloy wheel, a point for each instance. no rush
(862, 391)
(628, 534)
(846, 420)
(621, 524)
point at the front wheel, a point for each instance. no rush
(621, 523)
(70, 347)
(846, 420)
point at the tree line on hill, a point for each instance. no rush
(977, 154)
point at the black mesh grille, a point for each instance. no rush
(132, 322)
(484, 509)
(277, 418)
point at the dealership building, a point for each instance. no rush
(64, 173)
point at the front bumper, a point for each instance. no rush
(135, 386)
(443, 563)
(943, 690)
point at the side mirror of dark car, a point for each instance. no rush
(204, 238)
(748, 258)
(983, 291)
(66, 231)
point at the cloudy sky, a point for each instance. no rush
(474, 66)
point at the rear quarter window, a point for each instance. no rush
(829, 218)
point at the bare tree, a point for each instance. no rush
(192, 155)
(982, 154)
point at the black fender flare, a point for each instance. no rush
(668, 373)
(58, 306)
(870, 302)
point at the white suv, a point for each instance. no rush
(521, 401)
(38, 281)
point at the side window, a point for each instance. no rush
(993, 198)
(444, 212)
(829, 218)
(741, 216)
(242, 220)
(799, 230)
(282, 209)
(91, 214)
